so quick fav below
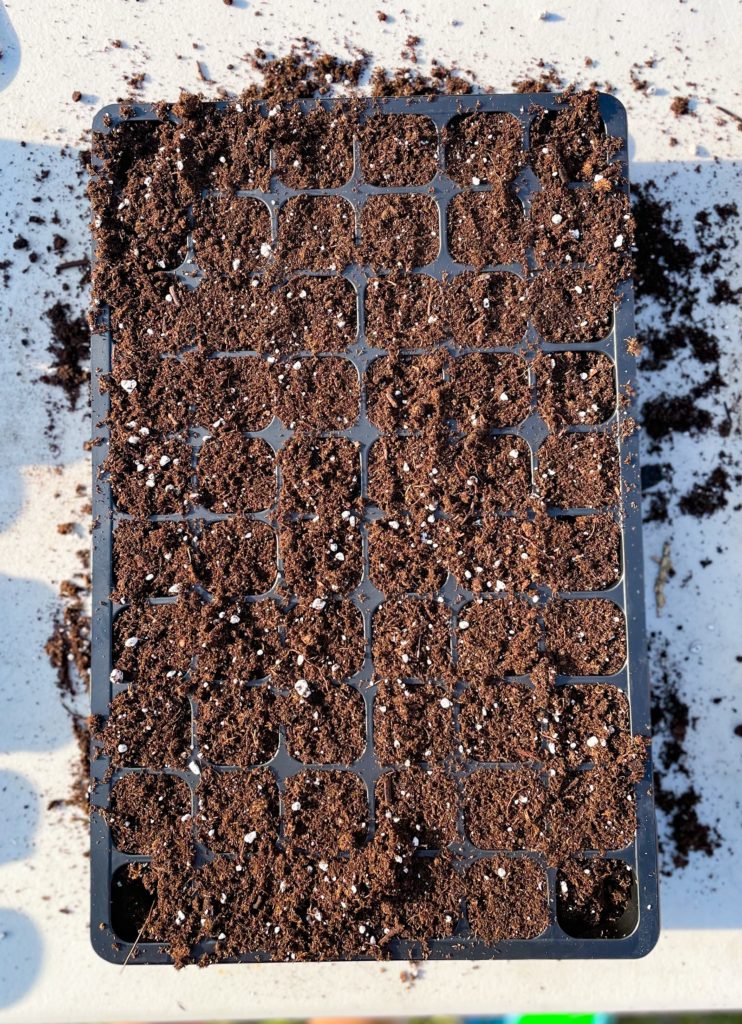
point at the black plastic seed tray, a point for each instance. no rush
(637, 932)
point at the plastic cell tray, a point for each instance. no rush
(637, 932)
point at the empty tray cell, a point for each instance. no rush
(487, 473)
(313, 149)
(236, 641)
(504, 808)
(228, 152)
(483, 148)
(237, 810)
(486, 228)
(489, 391)
(570, 305)
(315, 233)
(131, 905)
(140, 217)
(317, 393)
(154, 643)
(150, 815)
(496, 553)
(151, 560)
(507, 898)
(398, 149)
(231, 234)
(497, 637)
(407, 556)
(325, 722)
(405, 311)
(500, 721)
(148, 394)
(589, 723)
(408, 392)
(321, 556)
(152, 477)
(575, 388)
(408, 473)
(319, 475)
(236, 473)
(581, 553)
(399, 231)
(325, 812)
(420, 805)
(411, 639)
(487, 310)
(597, 899)
(314, 314)
(570, 144)
(231, 393)
(147, 727)
(236, 723)
(413, 723)
(323, 640)
(580, 226)
(600, 806)
(580, 470)
(585, 637)
(236, 557)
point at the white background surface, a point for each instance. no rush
(52, 47)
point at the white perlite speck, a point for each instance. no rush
(128, 386)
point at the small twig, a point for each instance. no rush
(71, 264)
(664, 572)
(730, 113)
(141, 932)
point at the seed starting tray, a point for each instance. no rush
(637, 932)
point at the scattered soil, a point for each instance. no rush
(69, 351)
(313, 149)
(421, 804)
(150, 814)
(570, 144)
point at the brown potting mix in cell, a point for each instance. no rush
(342, 603)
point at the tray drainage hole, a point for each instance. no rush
(597, 899)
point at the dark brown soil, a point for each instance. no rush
(236, 723)
(483, 149)
(321, 556)
(323, 640)
(489, 391)
(487, 309)
(486, 228)
(564, 315)
(405, 311)
(411, 640)
(236, 810)
(315, 233)
(151, 560)
(313, 149)
(313, 314)
(326, 812)
(593, 897)
(407, 556)
(409, 473)
(588, 724)
(149, 395)
(147, 727)
(399, 231)
(398, 149)
(571, 144)
(150, 815)
(500, 721)
(487, 474)
(586, 637)
(69, 351)
(233, 394)
(504, 809)
(317, 394)
(507, 899)
(579, 471)
(574, 388)
(312, 713)
(419, 804)
(581, 226)
(232, 235)
(497, 637)
(413, 723)
(236, 473)
(497, 553)
(319, 475)
(153, 477)
(581, 553)
(236, 642)
(236, 557)
(409, 392)
(154, 642)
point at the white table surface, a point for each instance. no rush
(52, 47)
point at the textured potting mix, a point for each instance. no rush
(368, 665)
